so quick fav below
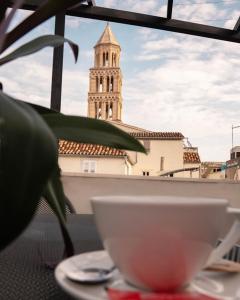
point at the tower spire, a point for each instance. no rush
(107, 37)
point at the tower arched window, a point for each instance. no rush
(104, 59)
(97, 84)
(101, 85)
(110, 112)
(96, 110)
(107, 110)
(114, 62)
(99, 113)
(108, 84)
(107, 60)
(111, 84)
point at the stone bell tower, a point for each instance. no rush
(105, 79)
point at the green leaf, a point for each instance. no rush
(56, 183)
(93, 131)
(55, 198)
(28, 155)
(43, 13)
(38, 44)
(87, 130)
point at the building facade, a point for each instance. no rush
(233, 164)
(166, 152)
(87, 158)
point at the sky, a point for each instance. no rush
(171, 81)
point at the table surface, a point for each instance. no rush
(23, 270)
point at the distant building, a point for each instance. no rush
(233, 165)
(167, 154)
(87, 158)
(191, 162)
(212, 170)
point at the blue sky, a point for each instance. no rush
(171, 82)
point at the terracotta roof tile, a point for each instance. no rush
(191, 157)
(158, 135)
(73, 148)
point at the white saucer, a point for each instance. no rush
(215, 284)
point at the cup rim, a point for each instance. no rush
(160, 200)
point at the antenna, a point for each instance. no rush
(188, 143)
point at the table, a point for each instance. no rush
(23, 272)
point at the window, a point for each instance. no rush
(111, 84)
(108, 84)
(114, 60)
(161, 163)
(97, 84)
(110, 111)
(107, 61)
(101, 85)
(145, 173)
(89, 166)
(104, 59)
(238, 154)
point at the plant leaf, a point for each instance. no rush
(43, 13)
(38, 44)
(28, 155)
(55, 198)
(56, 183)
(93, 131)
(87, 130)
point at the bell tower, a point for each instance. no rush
(105, 79)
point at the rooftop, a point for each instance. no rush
(73, 148)
(158, 135)
(191, 158)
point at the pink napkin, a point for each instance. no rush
(114, 294)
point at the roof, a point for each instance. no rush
(158, 135)
(191, 158)
(212, 163)
(74, 148)
(107, 37)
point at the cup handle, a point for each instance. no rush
(230, 239)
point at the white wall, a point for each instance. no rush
(74, 164)
(190, 174)
(171, 150)
(80, 188)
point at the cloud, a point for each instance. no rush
(172, 82)
(30, 79)
(75, 22)
(192, 87)
(146, 6)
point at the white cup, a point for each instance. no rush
(161, 242)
